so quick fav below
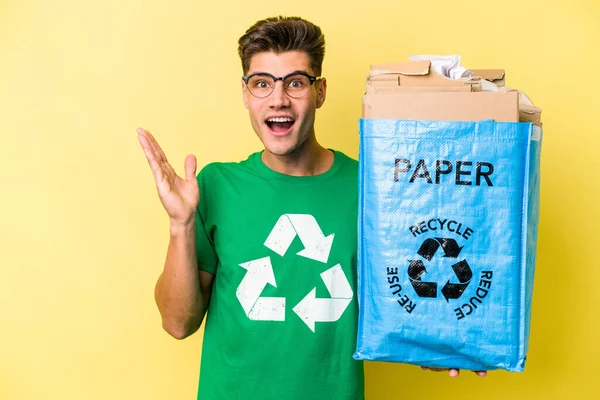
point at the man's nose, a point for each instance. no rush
(279, 98)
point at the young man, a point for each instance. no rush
(271, 250)
(268, 245)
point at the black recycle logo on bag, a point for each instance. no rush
(450, 249)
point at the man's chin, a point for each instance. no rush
(280, 148)
(280, 152)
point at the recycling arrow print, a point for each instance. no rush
(312, 309)
(464, 274)
(423, 289)
(430, 246)
(260, 273)
(316, 245)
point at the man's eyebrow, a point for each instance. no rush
(297, 71)
(290, 73)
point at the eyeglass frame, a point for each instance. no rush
(311, 80)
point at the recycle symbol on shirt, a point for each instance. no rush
(310, 309)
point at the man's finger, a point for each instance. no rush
(453, 372)
(160, 151)
(190, 168)
(160, 154)
(150, 156)
(148, 150)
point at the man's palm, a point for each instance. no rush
(178, 196)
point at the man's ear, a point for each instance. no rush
(321, 92)
(245, 94)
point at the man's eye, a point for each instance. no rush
(295, 84)
(262, 84)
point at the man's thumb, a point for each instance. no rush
(190, 167)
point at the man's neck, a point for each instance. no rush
(305, 161)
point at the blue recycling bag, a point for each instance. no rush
(448, 214)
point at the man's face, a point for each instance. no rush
(283, 123)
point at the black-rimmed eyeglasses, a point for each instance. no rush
(295, 84)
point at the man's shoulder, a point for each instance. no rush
(347, 165)
(343, 156)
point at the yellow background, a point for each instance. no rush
(83, 235)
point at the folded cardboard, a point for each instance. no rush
(442, 106)
(408, 76)
(414, 90)
(496, 76)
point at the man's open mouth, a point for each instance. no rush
(280, 124)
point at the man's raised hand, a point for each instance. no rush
(178, 196)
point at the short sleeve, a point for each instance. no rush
(205, 249)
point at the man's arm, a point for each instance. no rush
(183, 291)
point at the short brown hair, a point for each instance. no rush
(281, 34)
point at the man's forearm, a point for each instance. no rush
(178, 294)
